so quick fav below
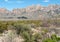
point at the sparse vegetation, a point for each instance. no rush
(53, 38)
(24, 29)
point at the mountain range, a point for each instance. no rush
(32, 12)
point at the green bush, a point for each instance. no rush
(53, 38)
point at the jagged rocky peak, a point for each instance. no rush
(33, 12)
(18, 10)
(3, 10)
(33, 7)
(55, 6)
(27, 9)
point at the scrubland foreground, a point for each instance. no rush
(30, 31)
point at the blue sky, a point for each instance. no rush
(10, 4)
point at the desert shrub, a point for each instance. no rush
(53, 38)
(37, 37)
(48, 40)
(26, 36)
(22, 28)
(3, 26)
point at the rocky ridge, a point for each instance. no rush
(32, 12)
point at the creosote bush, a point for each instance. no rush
(53, 38)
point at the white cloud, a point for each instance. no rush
(17, 1)
(46, 1)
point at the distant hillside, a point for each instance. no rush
(32, 12)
